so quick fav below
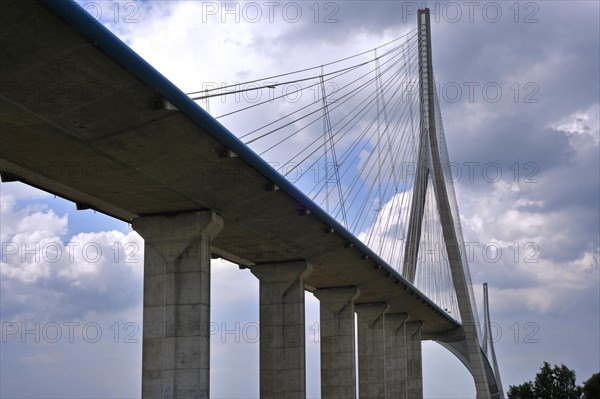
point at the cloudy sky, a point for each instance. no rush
(519, 92)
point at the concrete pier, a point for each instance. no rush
(176, 347)
(371, 350)
(337, 338)
(282, 336)
(396, 377)
(414, 359)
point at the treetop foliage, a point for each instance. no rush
(556, 383)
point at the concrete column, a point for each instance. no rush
(395, 356)
(371, 350)
(338, 356)
(282, 337)
(176, 348)
(414, 359)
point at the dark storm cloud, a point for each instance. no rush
(559, 55)
(338, 21)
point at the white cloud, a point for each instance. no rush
(25, 233)
(386, 233)
(583, 122)
(22, 192)
(39, 262)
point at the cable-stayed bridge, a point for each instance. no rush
(338, 184)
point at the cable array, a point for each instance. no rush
(433, 274)
(347, 133)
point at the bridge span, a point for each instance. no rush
(135, 147)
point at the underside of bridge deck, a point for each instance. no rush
(83, 117)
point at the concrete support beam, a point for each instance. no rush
(414, 359)
(396, 377)
(282, 337)
(371, 350)
(176, 348)
(338, 356)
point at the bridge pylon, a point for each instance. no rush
(431, 160)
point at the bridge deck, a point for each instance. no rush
(79, 119)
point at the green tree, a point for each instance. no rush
(591, 388)
(523, 391)
(550, 383)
